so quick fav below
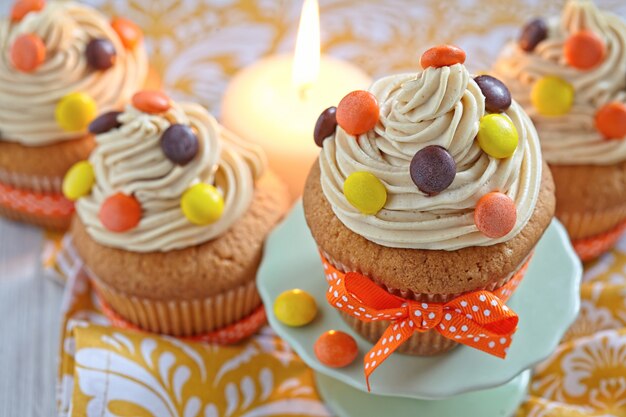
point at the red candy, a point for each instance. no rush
(357, 112)
(28, 52)
(336, 349)
(495, 214)
(584, 50)
(22, 7)
(151, 101)
(611, 120)
(130, 34)
(442, 56)
(120, 213)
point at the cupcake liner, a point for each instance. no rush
(182, 318)
(591, 224)
(592, 247)
(38, 184)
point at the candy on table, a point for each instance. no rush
(22, 7)
(78, 180)
(120, 213)
(552, 96)
(295, 308)
(495, 214)
(151, 101)
(532, 34)
(584, 50)
(105, 122)
(325, 125)
(497, 95)
(442, 56)
(497, 135)
(28, 52)
(75, 111)
(179, 144)
(336, 349)
(365, 192)
(130, 34)
(100, 54)
(610, 120)
(432, 169)
(357, 112)
(202, 204)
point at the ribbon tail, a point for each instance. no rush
(396, 334)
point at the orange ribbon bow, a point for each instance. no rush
(478, 319)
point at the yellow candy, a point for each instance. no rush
(202, 204)
(78, 180)
(295, 308)
(75, 111)
(552, 96)
(365, 192)
(497, 136)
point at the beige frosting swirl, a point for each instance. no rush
(572, 138)
(28, 100)
(439, 106)
(129, 159)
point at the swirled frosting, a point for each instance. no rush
(28, 100)
(439, 106)
(129, 159)
(572, 138)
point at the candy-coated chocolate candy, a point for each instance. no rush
(100, 54)
(295, 308)
(120, 213)
(495, 215)
(151, 101)
(432, 169)
(179, 144)
(78, 180)
(325, 126)
(75, 111)
(552, 96)
(202, 204)
(532, 34)
(105, 122)
(22, 7)
(442, 56)
(365, 192)
(497, 135)
(584, 50)
(130, 34)
(28, 52)
(611, 120)
(336, 349)
(497, 95)
(357, 112)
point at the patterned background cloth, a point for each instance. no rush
(196, 46)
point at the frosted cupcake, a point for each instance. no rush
(568, 73)
(61, 63)
(172, 212)
(429, 195)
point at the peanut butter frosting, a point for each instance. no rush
(439, 106)
(28, 100)
(129, 159)
(572, 138)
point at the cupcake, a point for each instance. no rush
(61, 63)
(172, 212)
(568, 73)
(429, 187)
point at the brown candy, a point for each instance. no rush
(432, 169)
(105, 122)
(497, 95)
(325, 126)
(179, 144)
(532, 34)
(100, 54)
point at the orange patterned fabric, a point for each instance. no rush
(48, 205)
(592, 247)
(478, 319)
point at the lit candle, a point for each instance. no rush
(276, 101)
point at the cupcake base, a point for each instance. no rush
(590, 248)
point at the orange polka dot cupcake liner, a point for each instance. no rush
(590, 248)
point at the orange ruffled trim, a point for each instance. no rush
(39, 204)
(594, 246)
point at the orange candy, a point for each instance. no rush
(442, 56)
(495, 214)
(130, 34)
(120, 213)
(22, 7)
(336, 349)
(151, 101)
(584, 50)
(611, 120)
(357, 112)
(28, 52)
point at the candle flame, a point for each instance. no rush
(306, 63)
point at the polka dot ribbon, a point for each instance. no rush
(478, 319)
(49, 205)
(592, 247)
